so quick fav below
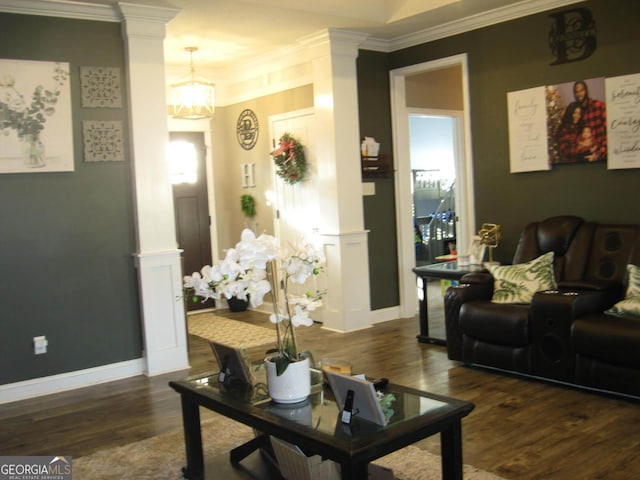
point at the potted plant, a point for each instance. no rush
(248, 208)
(253, 268)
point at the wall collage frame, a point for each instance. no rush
(584, 121)
(36, 125)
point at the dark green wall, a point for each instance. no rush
(379, 210)
(66, 266)
(513, 56)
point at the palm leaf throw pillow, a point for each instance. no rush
(631, 303)
(518, 283)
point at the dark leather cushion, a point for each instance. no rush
(568, 237)
(499, 323)
(549, 235)
(556, 233)
(587, 286)
(608, 338)
(499, 356)
(597, 374)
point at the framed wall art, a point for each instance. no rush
(103, 141)
(527, 130)
(100, 87)
(623, 121)
(35, 117)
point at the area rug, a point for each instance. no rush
(230, 332)
(162, 456)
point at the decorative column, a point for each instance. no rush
(347, 305)
(158, 258)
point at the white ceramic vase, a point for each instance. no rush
(293, 386)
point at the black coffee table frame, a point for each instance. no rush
(353, 453)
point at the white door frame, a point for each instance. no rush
(204, 126)
(465, 211)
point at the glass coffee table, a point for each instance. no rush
(315, 424)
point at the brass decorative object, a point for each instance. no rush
(490, 235)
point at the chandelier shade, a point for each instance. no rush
(192, 99)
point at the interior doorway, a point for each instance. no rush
(187, 153)
(434, 147)
(423, 86)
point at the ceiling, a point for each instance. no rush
(228, 31)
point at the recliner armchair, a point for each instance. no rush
(536, 339)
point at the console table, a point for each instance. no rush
(318, 429)
(441, 271)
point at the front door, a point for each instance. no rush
(192, 213)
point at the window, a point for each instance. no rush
(183, 162)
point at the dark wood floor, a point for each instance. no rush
(521, 428)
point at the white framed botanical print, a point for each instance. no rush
(36, 132)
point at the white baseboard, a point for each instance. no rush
(385, 314)
(68, 381)
(375, 316)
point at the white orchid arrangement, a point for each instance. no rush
(257, 266)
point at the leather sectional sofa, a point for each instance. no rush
(563, 334)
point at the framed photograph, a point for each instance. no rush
(365, 400)
(233, 367)
(577, 121)
(35, 117)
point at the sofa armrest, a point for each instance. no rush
(556, 310)
(552, 317)
(454, 298)
(615, 289)
(572, 303)
(477, 278)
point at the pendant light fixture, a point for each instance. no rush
(192, 99)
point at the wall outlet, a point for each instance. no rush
(40, 345)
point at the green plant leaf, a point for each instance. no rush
(248, 205)
(282, 362)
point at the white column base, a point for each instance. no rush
(163, 318)
(346, 307)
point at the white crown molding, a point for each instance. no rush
(257, 72)
(147, 13)
(377, 44)
(260, 75)
(90, 11)
(473, 22)
(256, 75)
(111, 13)
(62, 8)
